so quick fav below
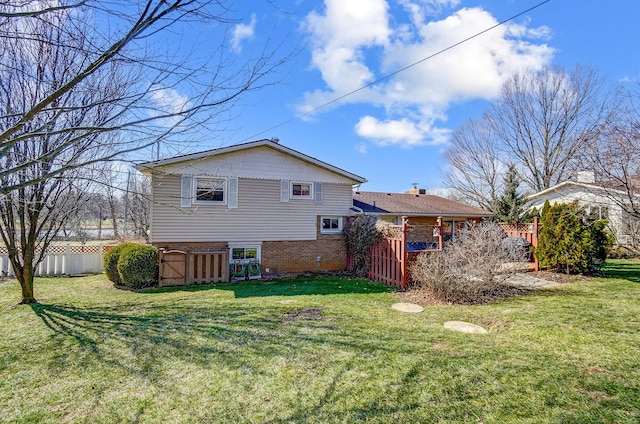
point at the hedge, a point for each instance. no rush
(110, 260)
(138, 266)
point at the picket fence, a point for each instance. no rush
(62, 260)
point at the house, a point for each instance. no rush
(600, 198)
(422, 210)
(267, 205)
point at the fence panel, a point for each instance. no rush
(208, 267)
(62, 260)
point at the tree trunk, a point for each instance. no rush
(26, 282)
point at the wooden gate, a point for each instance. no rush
(173, 268)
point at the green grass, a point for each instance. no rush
(231, 353)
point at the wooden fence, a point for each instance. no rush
(390, 262)
(62, 260)
(528, 232)
(182, 268)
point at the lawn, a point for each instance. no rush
(318, 350)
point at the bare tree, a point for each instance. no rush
(140, 205)
(81, 85)
(615, 158)
(540, 122)
(474, 172)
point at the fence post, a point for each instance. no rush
(403, 253)
(66, 267)
(101, 256)
(534, 242)
(440, 233)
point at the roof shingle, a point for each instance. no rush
(413, 204)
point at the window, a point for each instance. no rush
(331, 224)
(301, 190)
(210, 190)
(240, 253)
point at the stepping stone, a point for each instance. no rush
(407, 307)
(464, 327)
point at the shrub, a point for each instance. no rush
(110, 260)
(466, 270)
(570, 241)
(138, 266)
(360, 234)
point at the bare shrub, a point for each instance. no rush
(466, 270)
(360, 234)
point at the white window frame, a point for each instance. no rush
(298, 196)
(225, 188)
(331, 230)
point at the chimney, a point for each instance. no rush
(416, 190)
(588, 177)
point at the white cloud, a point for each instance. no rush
(242, 32)
(354, 45)
(402, 132)
(167, 101)
(339, 36)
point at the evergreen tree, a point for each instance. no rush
(570, 242)
(510, 204)
(545, 208)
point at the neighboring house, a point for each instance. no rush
(264, 202)
(597, 198)
(422, 211)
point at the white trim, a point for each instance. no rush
(331, 230)
(194, 191)
(294, 196)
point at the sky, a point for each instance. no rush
(393, 131)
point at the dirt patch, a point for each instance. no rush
(426, 297)
(304, 313)
(559, 277)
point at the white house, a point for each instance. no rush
(598, 198)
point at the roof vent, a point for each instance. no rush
(275, 140)
(422, 191)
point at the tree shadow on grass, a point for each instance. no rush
(138, 337)
(623, 271)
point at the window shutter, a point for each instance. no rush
(317, 192)
(284, 191)
(185, 192)
(233, 193)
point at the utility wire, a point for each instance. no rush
(385, 77)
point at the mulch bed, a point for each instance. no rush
(426, 297)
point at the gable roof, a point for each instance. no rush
(413, 205)
(271, 144)
(600, 187)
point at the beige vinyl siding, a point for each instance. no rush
(256, 163)
(260, 215)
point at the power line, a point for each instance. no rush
(385, 77)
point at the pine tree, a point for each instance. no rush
(511, 202)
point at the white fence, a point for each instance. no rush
(63, 260)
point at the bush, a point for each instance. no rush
(138, 266)
(360, 234)
(110, 260)
(466, 270)
(570, 241)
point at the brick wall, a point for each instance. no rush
(300, 256)
(423, 229)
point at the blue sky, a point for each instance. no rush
(393, 133)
